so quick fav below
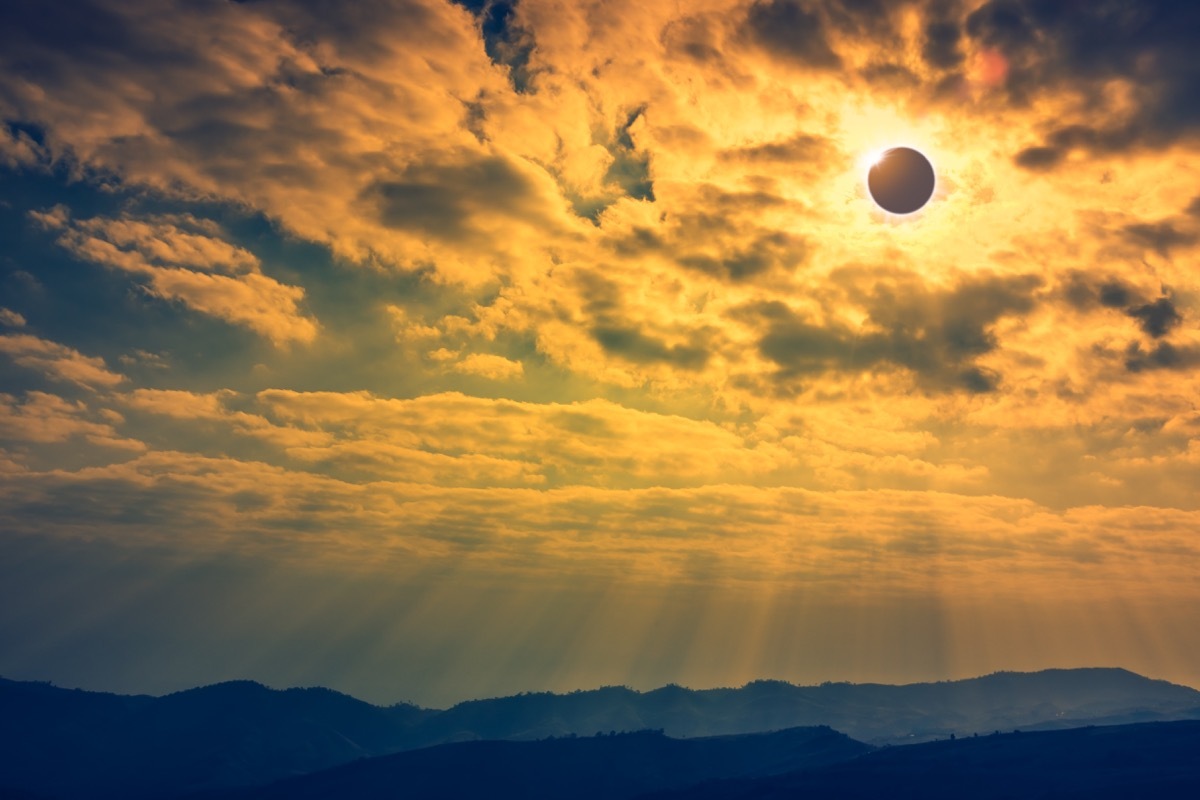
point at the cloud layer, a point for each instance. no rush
(538, 289)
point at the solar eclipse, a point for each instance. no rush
(901, 180)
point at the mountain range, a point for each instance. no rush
(63, 743)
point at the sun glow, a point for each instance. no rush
(871, 158)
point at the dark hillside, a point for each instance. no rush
(1151, 760)
(606, 767)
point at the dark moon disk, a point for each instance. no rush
(901, 181)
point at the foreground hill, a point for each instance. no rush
(1148, 760)
(70, 743)
(606, 767)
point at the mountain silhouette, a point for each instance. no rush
(875, 713)
(63, 743)
(600, 767)
(71, 743)
(1147, 760)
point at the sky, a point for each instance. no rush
(435, 350)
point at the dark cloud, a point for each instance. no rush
(97, 56)
(722, 235)
(633, 345)
(801, 348)
(1061, 142)
(889, 75)
(441, 200)
(1164, 355)
(476, 7)
(506, 42)
(767, 249)
(950, 87)
(628, 173)
(94, 35)
(639, 240)
(937, 335)
(1157, 319)
(630, 168)
(1115, 294)
(1040, 158)
(694, 38)
(872, 18)
(1081, 47)
(1002, 23)
(862, 16)
(602, 297)
(620, 337)
(1085, 292)
(801, 148)
(791, 31)
(1079, 292)
(941, 46)
(1163, 237)
(349, 26)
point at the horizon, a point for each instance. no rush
(470, 347)
(593, 689)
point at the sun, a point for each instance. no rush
(871, 158)
(901, 180)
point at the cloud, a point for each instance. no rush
(375, 460)
(799, 149)
(658, 205)
(754, 183)
(1157, 319)
(19, 150)
(1132, 64)
(938, 336)
(730, 235)
(475, 196)
(358, 135)
(942, 36)
(487, 365)
(1162, 236)
(144, 358)
(214, 407)
(1162, 356)
(640, 231)
(180, 240)
(42, 418)
(183, 258)
(178, 403)
(407, 329)
(633, 345)
(53, 218)
(11, 319)
(594, 442)
(953, 545)
(58, 362)
(1040, 158)
(507, 43)
(790, 30)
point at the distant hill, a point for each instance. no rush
(874, 713)
(605, 767)
(70, 743)
(1148, 760)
